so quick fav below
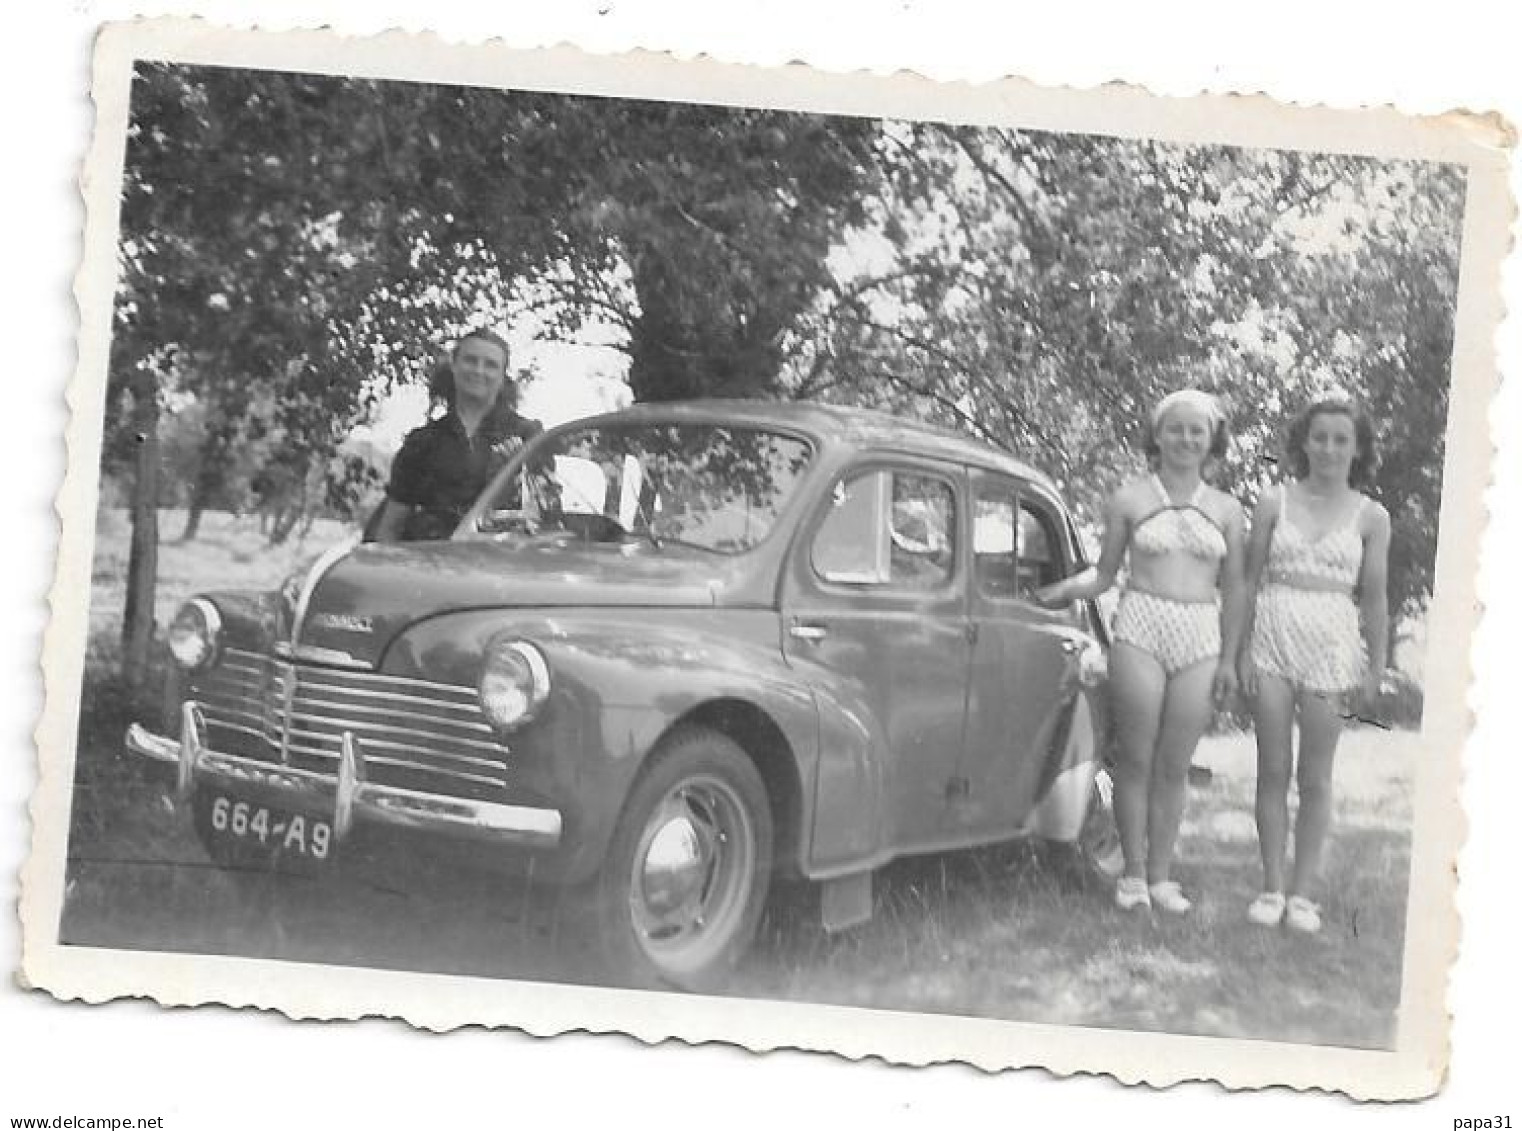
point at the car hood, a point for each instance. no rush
(374, 592)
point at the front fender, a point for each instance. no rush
(848, 817)
(620, 680)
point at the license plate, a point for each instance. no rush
(289, 834)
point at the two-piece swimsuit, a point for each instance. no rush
(1305, 628)
(1178, 633)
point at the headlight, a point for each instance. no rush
(515, 682)
(194, 635)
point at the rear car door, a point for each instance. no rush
(876, 598)
(1022, 683)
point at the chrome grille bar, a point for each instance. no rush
(424, 730)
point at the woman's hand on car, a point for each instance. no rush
(504, 449)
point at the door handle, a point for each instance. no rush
(813, 633)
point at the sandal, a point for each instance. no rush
(1131, 893)
(1170, 897)
(1267, 910)
(1300, 914)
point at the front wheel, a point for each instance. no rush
(682, 888)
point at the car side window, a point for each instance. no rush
(1038, 548)
(888, 528)
(993, 538)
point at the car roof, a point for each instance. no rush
(838, 423)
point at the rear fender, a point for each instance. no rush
(1076, 755)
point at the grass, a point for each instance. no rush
(1002, 933)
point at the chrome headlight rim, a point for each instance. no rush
(210, 632)
(523, 656)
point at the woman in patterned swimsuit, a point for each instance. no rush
(1176, 633)
(1316, 561)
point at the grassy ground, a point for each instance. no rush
(1005, 935)
(996, 933)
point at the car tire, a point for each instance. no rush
(685, 879)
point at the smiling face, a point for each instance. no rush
(1331, 446)
(1183, 437)
(480, 368)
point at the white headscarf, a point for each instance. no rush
(1196, 399)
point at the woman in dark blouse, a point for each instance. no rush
(444, 465)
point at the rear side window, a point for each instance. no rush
(1017, 546)
(888, 528)
(995, 524)
(1039, 548)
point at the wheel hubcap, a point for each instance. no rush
(676, 866)
(692, 873)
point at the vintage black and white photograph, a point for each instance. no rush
(934, 558)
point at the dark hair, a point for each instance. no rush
(441, 377)
(1361, 473)
(1220, 439)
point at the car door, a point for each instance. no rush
(1024, 657)
(875, 601)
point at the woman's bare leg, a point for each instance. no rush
(1274, 724)
(1320, 728)
(1138, 683)
(1186, 713)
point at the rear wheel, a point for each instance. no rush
(1099, 852)
(685, 878)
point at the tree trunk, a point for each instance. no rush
(193, 514)
(210, 477)
(685, 343)
(142, 560)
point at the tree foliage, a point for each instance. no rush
(1044, 290)
(293, 247)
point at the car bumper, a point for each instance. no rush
(345, 798)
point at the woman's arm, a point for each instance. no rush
(1373, 598)
(1234, 610)
(1099, 577)
(1264, 515)
(406, 489)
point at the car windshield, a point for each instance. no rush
(713, 487)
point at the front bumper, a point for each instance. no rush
(347, 797)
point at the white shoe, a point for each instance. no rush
(1300, 914)
(1267, 910)
(1131, 893)
(1170, 897)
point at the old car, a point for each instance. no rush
(672, 655)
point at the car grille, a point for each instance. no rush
(411, 733)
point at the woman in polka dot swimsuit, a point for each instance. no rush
(1176, 632)
(1316, 561)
